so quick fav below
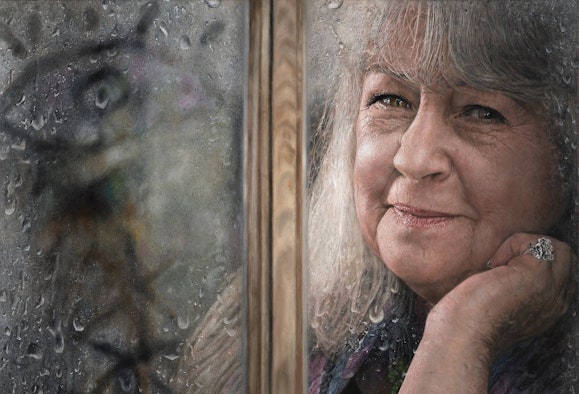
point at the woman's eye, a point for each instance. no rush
(484, 114)
(391, 100)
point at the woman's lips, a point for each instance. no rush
(416, 217)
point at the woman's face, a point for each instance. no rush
(443, 176)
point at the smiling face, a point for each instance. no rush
(443, 176)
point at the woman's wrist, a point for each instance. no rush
(454, 349)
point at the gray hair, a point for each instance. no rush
(524, 49)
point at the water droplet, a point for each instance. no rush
(102, 98)
(38, 122)
(395, 319)
(59, 346)
(26, 225)
(163, 28)
(184, 42)
(40, 302)
(21, 100)
(172, 356)
(213, 3)
(34, 351)
(231, 332)
(4, 150)
(183, 322)
(335, 4)
(7, 331)
(127, 382)
(3, 296)
(567, 79)
(78, 324)
(376, 315)
(18, 181)
(10, 207)
(21, 145)
(229, 321)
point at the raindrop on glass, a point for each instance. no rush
(10, 207)
(4, 150)
(40, 302)
(7, 331)
(376, 315)
(183, 322)
(213, 3)
(102, 98)
(163, 28)
(3, 296)
(34, 351)
(231, 332)
(59, 346)
(78, 324)
(26, 225)
(38, 122)
(172, 356)
(127, 383)
(21, 100)
(335, 4)
(184, 42)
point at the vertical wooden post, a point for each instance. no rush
(258, 198)
(287, 197)
(274, 195)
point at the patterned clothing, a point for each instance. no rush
(537, 366)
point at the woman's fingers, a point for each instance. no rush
(536, 273)
(532, 247)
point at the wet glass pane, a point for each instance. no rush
(442, 196)
(121, 215)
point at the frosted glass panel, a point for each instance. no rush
(121, 215)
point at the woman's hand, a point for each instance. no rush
(520, 297)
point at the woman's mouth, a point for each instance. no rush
(416, 217)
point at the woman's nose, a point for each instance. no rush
(424, 150)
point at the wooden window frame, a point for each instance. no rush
(276, 355)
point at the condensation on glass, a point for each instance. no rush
(121, 204)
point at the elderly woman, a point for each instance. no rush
(450, 160)
(442, 221)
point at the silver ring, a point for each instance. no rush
(542, 250)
